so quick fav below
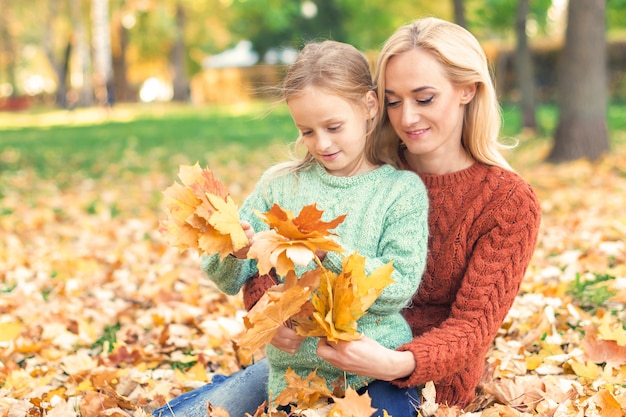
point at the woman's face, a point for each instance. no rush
(333, 129)
(424, 107)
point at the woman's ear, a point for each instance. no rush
(468, 93)
(371, 101)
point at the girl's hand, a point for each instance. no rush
(287, 340)
(249, 231)
(368, 358)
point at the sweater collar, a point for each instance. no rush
(344, 182)
(467, 175)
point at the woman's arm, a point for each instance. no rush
(368, 358)
(488, 288)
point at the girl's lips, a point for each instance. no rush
(330, 156)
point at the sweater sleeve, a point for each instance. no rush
(404, 242)
(495, 268)
(231, 273)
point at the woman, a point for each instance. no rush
(442, 121)
(443, 116)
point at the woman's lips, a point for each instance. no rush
(417, 133)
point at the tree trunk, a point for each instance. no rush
(8, 57)
(84, 96)
(459, 13)
(177, 58)
(121, 89)
(525, 73)
(101, 29)
(60, 69)
(582, 129)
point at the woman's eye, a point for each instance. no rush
(393, 103)
(427, 100)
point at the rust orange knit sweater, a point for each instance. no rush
(483, 224)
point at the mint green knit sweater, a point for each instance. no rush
(386, 221)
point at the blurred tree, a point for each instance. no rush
(282, 23)
(52, 35)
(180, 83)
(498, 17)
(615, 11)
(524, 68)
(459, 13)
(365, 24)
(8, 58)
(582, 84)
(101, 40)
(121, 18)
(82, 56)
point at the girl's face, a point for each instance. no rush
(333, 129)
(424, 107)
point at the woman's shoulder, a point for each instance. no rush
(510, 190)
(508, 182)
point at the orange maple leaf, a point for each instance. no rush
(274, 309)
(292, 240)
(304, 392)
(342, 299)
(201, 214)
(352, 405)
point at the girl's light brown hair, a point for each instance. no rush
(338, 69)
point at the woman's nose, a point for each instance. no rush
(410, 115)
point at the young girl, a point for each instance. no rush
(329, 93)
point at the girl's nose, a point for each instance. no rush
(323, 142)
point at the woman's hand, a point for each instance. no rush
(249, 231)
(287, 340)
(368, 358)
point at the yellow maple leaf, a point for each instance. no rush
(352, 405)
(201, 215)
(226, 220)
(586, 370)
(9, 331)
(610, 329)
(292, 240)
(342, 299)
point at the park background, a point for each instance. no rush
(101, 101)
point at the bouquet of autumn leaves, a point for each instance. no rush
(202, 216)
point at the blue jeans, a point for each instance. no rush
(244, 392)
(398, 402)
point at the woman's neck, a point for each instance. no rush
(438, 164)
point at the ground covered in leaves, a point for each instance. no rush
(100, 317)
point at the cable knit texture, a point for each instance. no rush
(386, 221)
(256, 286)
(483, 224)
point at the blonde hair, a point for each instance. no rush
(339, 69)
(464, 62)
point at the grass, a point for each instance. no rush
(59, 143)
(90, 140)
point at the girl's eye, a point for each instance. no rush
(426, 101)
(306, 132)
(334, 128)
